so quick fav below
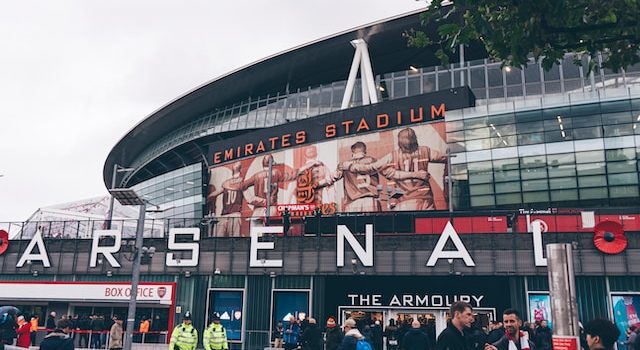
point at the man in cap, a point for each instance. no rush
(215, 336)
(351, 335)
(184, 336)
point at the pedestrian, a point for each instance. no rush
(543, 336)
(59, 338)
(311, 338)
(84, 324)
(391, 334)
(291, 334)
(184, 336)
(476, 337)
(452, 337)
(415, 338)
(115, 334)
(601, 334)
(50, 324)
(353, 339)
(22, 331)
(96, 328)
(143, 329)
(215, 336)
(33, 329)
(514, 338)
(278, 334)
(333, 334)
(376, 331)
(496, 332)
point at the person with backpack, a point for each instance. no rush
(215, 336)
(353, 339)
(184, 336)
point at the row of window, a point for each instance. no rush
(486, 79)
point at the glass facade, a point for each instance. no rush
(488, 81)
(178, 193)
(570, 155)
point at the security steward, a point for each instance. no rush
(215, 336)
(184, 336)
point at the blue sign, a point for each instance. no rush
(228, 306)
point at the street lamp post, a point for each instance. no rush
(130, 197)
(116, 169)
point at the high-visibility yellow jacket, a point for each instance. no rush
(184, 337)
(215, 338)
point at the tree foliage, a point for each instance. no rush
(513, 31)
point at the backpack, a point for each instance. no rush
(363, 344)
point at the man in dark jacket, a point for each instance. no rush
(543, 336)
(513, 334)
(496, 332)
(50, 324)
(452, 338)
(58, 339)
(311, 338)
(391, 334)
(415, 338)
(476, 337)
(601, 334)
(334, 334)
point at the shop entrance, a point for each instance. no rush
(432, 320)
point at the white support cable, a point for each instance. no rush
(348, 92)
(363, 82)
(366, 60)
(361, 60)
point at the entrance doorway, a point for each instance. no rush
(432, 320)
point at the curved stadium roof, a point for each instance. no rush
(320, 62)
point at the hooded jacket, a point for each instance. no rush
(350, 339)
(57, 340)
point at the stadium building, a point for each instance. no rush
(420, 186)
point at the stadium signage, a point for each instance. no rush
(358, 120)
(185, 242)
(413, 300)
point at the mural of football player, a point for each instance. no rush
(232, 198)
(261, 191)
(360, 189)
(309, 175)
(408, 167)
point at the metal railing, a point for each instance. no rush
(385, 223)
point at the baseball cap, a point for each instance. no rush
(349, 322)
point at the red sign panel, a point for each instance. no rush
(561, 342)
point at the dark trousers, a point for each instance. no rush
(84, 340)
(32, 336)
(95, 340)
(289, 346)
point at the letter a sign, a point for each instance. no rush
(460, 253)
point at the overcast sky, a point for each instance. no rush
(75, 76)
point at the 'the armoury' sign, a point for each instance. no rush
(177, 236)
